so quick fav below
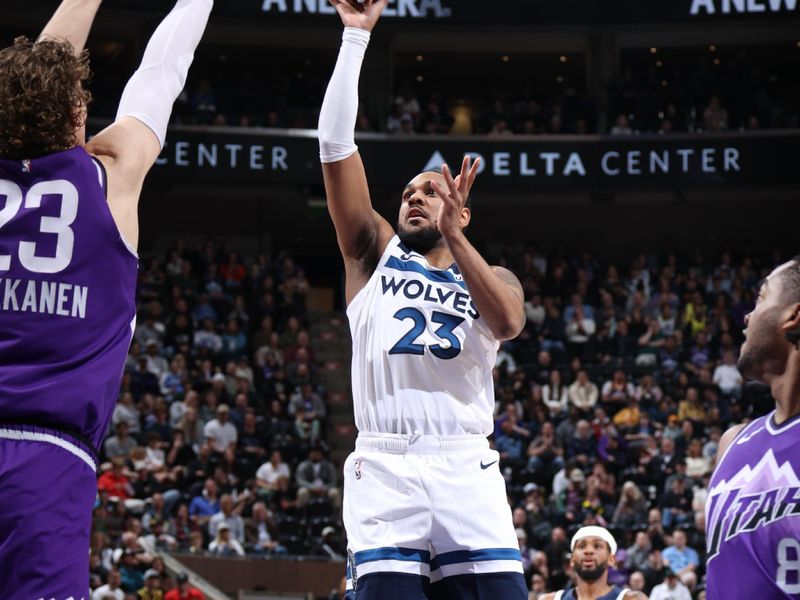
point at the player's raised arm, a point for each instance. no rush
(496, 291)
(72, 21)
(130, 146)
(361, 232)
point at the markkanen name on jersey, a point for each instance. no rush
(419, 9)
(45, 297)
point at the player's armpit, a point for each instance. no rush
(127, 149)
(362, 233)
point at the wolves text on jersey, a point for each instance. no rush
(414, 289)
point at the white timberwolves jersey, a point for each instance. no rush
(422, 355)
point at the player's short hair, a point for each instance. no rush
(42, 92)
(790, 278)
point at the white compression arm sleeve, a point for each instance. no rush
(337, 119)
(155, 86)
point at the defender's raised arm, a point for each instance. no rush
(72, 21)
(130, 146)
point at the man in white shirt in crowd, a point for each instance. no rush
(221, 432)
(270, 474)
(583, 393)
(111, 590)
(671, 588)
(727, 376)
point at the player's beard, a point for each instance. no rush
(760, 348)
(421, 240)
(590, 575)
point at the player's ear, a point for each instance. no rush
(612, 559)
(465, 217)
(791, 325)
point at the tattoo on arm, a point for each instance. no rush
(511, 281)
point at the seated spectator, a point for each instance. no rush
(715, 117)
(329, 546)
(223, 544)
(697, 465)
(260, 532)
(545, 452)
(206, 505)
(220, 432)
(272, 475)
(671, 588)
(621, 126)
(682, 559)
(579, 331)
(583, 393)
(126, 410)
(555, 395)
(582, 446)
(617, 392)
(310, 400)
(121, 444)
(230, 515)
(183, 590)
(692, 407)
(638, 553)
(131, 578)
(111, 590)
(631, 510)
(115, 481)
(510, 445)
(727, 376)
(316, 476)
(676, 504)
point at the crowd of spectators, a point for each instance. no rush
(702, 97)
(610, 406)
(698, 96)
(739, 95)
(218, 442)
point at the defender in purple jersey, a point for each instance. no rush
(753, 506)
(68, 268)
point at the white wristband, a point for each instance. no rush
(337, 119)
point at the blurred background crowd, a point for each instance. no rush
(609, 409)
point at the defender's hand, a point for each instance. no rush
(365, 19)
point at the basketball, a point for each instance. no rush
(359, 5)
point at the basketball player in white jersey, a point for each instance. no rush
(425, 504)
(593, 549)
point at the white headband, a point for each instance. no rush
(594, 531)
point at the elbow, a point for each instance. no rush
(509, 326)
(507, 330)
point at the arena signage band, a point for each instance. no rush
(198, 154)
(540, 12)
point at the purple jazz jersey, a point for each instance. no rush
(67, 287)
(753, 514)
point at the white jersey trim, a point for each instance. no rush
(403, 443)
(32, 436)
